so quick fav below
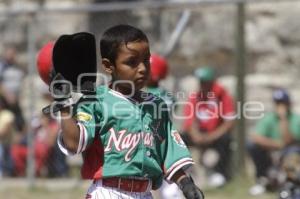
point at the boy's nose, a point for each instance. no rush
(142, 68)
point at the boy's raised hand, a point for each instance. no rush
(69, 67)
(63, 94)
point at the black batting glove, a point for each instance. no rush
(61, 91)
(189, 189)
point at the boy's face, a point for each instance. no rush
(132, 64)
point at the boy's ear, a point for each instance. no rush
(107, 65)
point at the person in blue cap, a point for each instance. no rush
(276, 131)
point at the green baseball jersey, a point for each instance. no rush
(162, 93)
(269, 126)
(128, 138)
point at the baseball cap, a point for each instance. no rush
(159, 67)
(205, 73)
(281, 95)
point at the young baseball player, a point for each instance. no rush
(127, 139)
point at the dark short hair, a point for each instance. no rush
(115, 36)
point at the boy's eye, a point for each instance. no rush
(131, 62)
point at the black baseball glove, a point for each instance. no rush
(189, 189)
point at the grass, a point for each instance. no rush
(237, 189)
(21, 193)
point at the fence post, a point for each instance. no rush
(31, 102)
(240, 87)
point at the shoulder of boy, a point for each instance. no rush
(83, 116)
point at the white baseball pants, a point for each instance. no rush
(98, 191)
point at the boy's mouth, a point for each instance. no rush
(141, 79)
(140, 82)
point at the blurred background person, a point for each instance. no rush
(48, 160)
(277, 131)
(6, 133)
(11, 79)
(209, 120)
(44, 130)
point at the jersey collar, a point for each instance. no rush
(146, 96)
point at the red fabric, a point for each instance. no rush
(159, 67)
(19, 156)
(41, 155)
(208, 110)
(43, 141)
(93, 161)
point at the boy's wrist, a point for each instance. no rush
(189, 189)
(178, 176)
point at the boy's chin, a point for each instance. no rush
(139, 87)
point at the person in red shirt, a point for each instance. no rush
(209, 119)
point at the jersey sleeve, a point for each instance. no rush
(175, 153)
(85, 115)
(295, 127)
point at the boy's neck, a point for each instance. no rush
(126, 91)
